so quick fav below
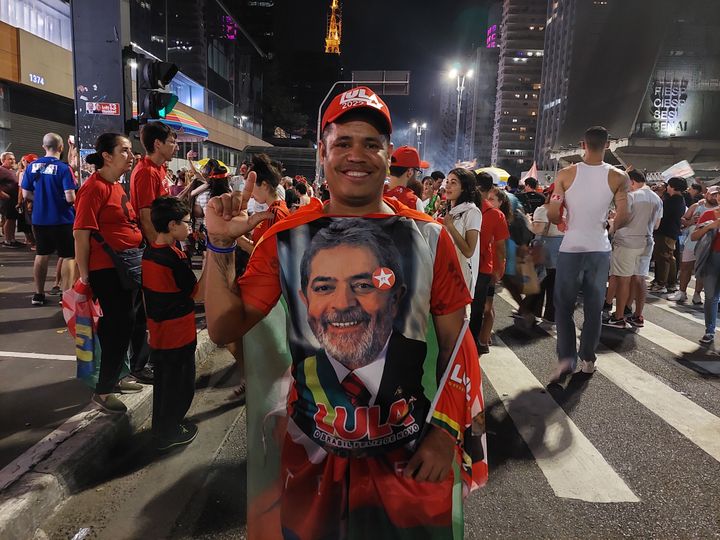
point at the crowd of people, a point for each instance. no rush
(402, 245)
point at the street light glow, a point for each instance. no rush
(424, 125)
(470, 74)
(414, 125)
(453, 73)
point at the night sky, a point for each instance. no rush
(422, 36)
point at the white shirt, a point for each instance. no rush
(370, 374)
(468, 218)
(588, 202)
(541, 216)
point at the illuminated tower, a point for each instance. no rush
(334, 30)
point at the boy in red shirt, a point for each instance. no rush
(147, 183)
(170, 287)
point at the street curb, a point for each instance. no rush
(57, 466)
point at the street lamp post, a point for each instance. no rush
(460, 75)
(420, 128)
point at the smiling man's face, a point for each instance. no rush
(355, 158)
(350, 317)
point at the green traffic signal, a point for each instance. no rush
(171, 101)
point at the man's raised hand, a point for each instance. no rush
(226, 216)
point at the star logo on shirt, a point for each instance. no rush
(383, 278)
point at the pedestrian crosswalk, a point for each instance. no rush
(569, 460)
(572, 465)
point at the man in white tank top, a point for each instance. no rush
(586, 190)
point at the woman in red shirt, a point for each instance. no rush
(709, 223)
(102, 206)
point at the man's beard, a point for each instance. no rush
(350, 350)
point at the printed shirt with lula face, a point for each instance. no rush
(315, 382)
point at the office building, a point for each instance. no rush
(522, 36)
(219, 84)
(655, 85)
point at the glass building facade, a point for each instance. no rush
(220, 68)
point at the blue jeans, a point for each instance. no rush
(712, 292)
(587, 272)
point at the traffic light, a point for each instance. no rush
(154, 100)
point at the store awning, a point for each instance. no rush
(188, 129)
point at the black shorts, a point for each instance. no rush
(52, 238)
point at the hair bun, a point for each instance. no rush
(94, 159)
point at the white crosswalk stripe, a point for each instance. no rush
(573, 467)
(692, 421)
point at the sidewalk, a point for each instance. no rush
(38, 388)
(51, 438)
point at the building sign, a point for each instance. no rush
(108, 109)
(491, 39)
(37, 79)
(666, 106)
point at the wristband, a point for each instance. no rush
(222, 250)
(557, 198)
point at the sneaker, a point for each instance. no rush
(38, 300)
(607, 307)
(482, 348)
(110, 404)
(671, 288)
(707, 339)
(185, 435)
(638, 321)
(612, 322)
(127, 387)
(563, 369)
(144, 376)
(515, 314)
(55, 291)
(678, 296)
(587, 367)
(14, 244)
(547, 320)
(658, 289)
(627, 311)
(697, 299)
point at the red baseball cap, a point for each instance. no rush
(408, 157)
(360, 97)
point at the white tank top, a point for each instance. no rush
(588, 201)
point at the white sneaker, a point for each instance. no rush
(697, 299)
(587, 367)
(657, 289)
(678, 296)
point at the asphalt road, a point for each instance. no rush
(632, 451)
(37, 394)
(38, 387)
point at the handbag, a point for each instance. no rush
(537, 246)
(525, 270)
(128, 263)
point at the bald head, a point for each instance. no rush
(53, 143)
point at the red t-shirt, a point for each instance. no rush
(147, 183)
(104, 207)
(279, 211)
(709, 215)
(494, 229)
(260, 284)
(403, 194)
